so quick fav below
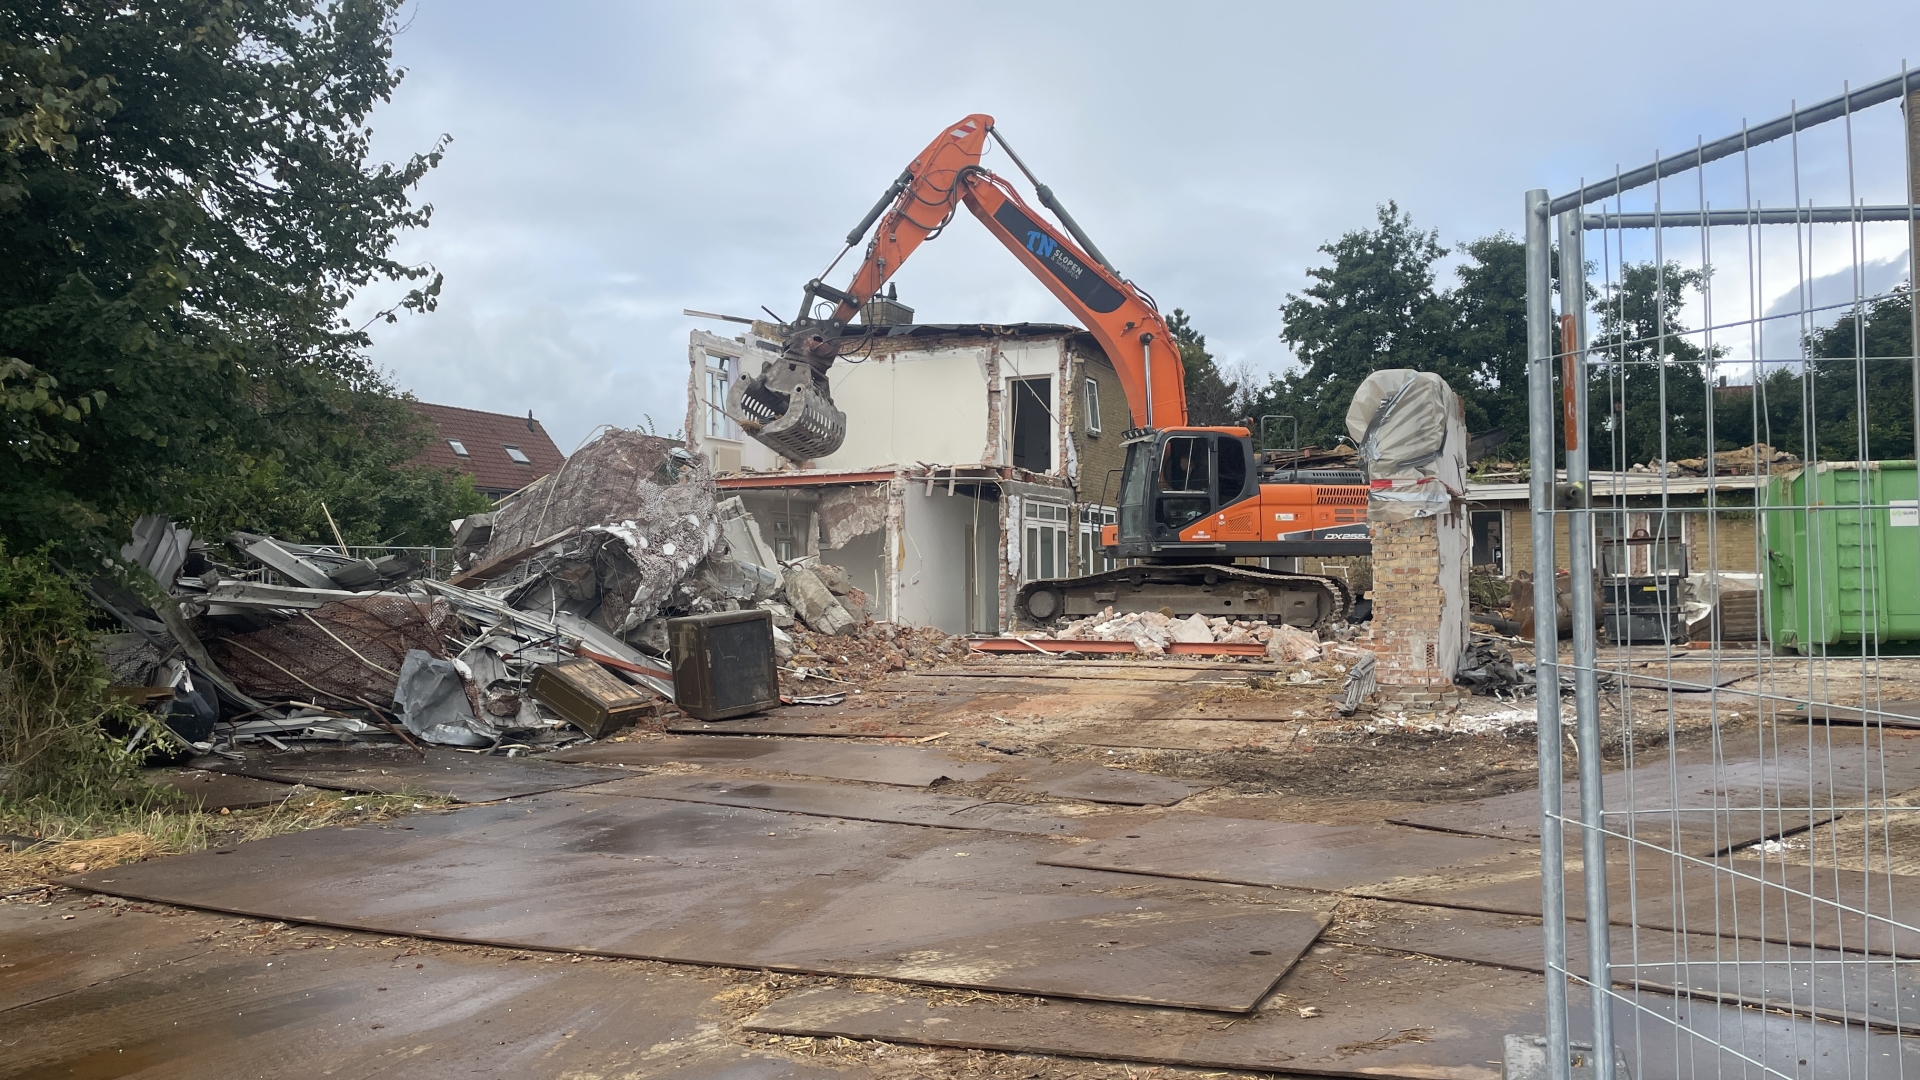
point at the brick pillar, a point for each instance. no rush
(1419, 607)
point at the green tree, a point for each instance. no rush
(1865, 356)
(1648, 373)
(1375, 307)
(187, 205)
(1490, 337)
(1211, 397)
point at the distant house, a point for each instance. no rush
(502, 453)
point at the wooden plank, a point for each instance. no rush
(498, 567)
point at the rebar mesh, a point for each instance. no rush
(344, 653)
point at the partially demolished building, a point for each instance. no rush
(978, 457)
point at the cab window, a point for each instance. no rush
(1233, 468)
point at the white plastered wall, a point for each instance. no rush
(933, 571)
(747, 359)
(911, 407)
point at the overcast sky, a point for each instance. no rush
(614, 163)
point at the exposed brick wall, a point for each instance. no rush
(1419, 618)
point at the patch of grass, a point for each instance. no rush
(55, 752)
(72, 843)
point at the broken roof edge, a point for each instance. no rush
(920, 472)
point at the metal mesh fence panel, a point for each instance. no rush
(1723, 447)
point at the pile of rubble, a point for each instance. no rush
(1746, 461)
(552, 629)
(1152, 631)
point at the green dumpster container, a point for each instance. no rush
(1843, 560)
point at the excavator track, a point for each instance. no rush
(1308, 601)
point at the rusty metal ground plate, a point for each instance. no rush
(715, 885)
(909, 766)
(818, 799)
(1719, 801)
(210, 1005)
(1755, 899)
(1883, 992)
(1327, 858)
(461, 777)
(1352, 1012)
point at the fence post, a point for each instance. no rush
(1586, 693)
(1546, 663)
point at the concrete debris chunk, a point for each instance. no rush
(1192, 629)
(836, 579)
(644, 521)
(815, 604)
(1292, 645)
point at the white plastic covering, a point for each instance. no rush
(1411, 429)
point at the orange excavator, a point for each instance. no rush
(1192, 499)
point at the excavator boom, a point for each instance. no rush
(789, 406)
(1192, 500)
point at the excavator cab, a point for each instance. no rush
(1173, 479)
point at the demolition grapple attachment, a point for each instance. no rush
(788, 407)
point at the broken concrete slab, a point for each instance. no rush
(815, 604)
(648, 879)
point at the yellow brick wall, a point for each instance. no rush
(1733, 542)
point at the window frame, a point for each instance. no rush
(724, 368)
(516, 455)
(459, 449)
(1092, 410)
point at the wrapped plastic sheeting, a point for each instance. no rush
(434, 704)
(1411, 429)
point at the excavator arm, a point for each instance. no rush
(789, 406)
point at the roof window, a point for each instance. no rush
(459, 448)
(518, 457)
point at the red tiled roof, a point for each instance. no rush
(485, 436)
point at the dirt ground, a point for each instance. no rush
(1267, 739)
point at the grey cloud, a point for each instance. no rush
(614, 163)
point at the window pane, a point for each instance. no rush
(1233, 467)
(1093, 407)
(1183, 465)
(1046, 553)
(1032, 557)
(1060, 548)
